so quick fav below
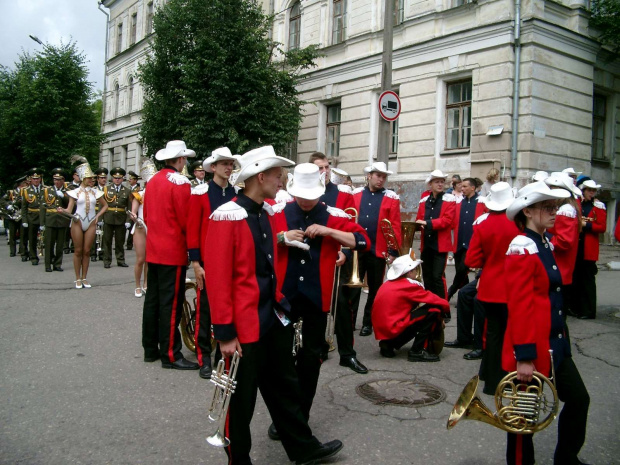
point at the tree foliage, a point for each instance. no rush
(606, 19)
(211, 79)
(47, 112)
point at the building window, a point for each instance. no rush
(130, 99)
(339, 19)
(461, 2)
(399, 12)
(119, 38)
(294, 26)
(458, 115)
(290, 151)
(333, 131)
(149, 18)
(394, 138)
(134, 27)
(117, 100)
(599, 112)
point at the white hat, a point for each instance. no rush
(564, 181)
(500, 197)
(571, 172)
(540, 176)
(174, 149)
(589, 184)
(533, 193)
(338, 176)
(223, 153)
(436, 174)
(306, 182)
(379, 166)
(147, 170)
(259, 160)
(402, 265)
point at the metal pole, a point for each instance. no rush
(515, 95)
(384, 136)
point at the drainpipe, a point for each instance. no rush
(515, 94)
(105, 77)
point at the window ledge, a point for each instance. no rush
(600, 161)
(454, 152)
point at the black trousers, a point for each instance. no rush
(583, 300)
(571, 422)
(344, 323)
(469, 310)
(23, 241)
(161, 314)
(309, 356)
(13, 228)
(268, 365)
(130, 236)
(462, 272)
(116, 231)
(54, 245)
(373, 268)
(434, 271)
(420, 331)
(33, 231)
(491, 366)
(203, 326)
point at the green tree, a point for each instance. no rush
(606, 19)
(211, 79)
(47, 112)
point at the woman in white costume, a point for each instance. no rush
(139, 228)
(83, 226)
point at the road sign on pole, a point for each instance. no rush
(389, 105)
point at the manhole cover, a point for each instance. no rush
(406, 393)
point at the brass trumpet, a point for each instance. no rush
(355, 280)
(225, 385)
(521, 408)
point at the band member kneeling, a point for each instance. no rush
(405, 311)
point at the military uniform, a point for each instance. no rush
(115, 220)
(31, 205)
(11, 204)
(68, 244)
(97, 247)
(56, 225)
(134, 188)
(193, 168)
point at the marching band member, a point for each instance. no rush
(593, 223)
(338, 195)
(535, 323)
(311, 235)
(468, 208)
(251, 316)
(85, 198)
(436, 215)
(398, 315)
(31, 206)
(11, 203)
(54, 225)
(493, 233)
(134, 186)
(100, 183)
(375, 203)
(115, 220)
(205, 199)
(165, 212)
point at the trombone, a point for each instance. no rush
(225, 385)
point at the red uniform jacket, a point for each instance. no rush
(617, 231)
(390, 209)
(599, 225)
(480, 209)
(311, 273)
(443, 225)
(565, 241)
(165, 215)
(339, 196)
(493, 233)
(391, 311)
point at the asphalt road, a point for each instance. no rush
(75, 390)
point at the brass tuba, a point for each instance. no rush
(521, 408)
(225, 385)
(188, 317)
(390, 238)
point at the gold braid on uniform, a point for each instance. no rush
(138, 197)
(86, 198)
(50, 201)
(107, 198)
(28, 198)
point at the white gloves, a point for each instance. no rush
(127, 225)
(25, 225)
(41, 228)
(10, 208)
(297, 244)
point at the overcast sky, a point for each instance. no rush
(52, 21)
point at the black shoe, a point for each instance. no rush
(475, 354)
(93, 259)
(586, 317)
(366, 330)
(354, 364)
(205, 370)
(326, 450)
(13, 254)
(386, 350)
(151, 359)
(66, 251)
(58, 268)
(129, 247)
(123, 265)
(422, 356)
(48, 269)
(180, 364)
(272, 432)
(107, 265)
(24, 258)
(456, 344)
(34, 262)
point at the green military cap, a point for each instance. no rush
(196, 166)
(118, 172)
(101, 172)
(133, 175)
(35, 173)
(58, 173)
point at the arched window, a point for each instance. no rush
(117, 100)
(130, 99)
(294, 26)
